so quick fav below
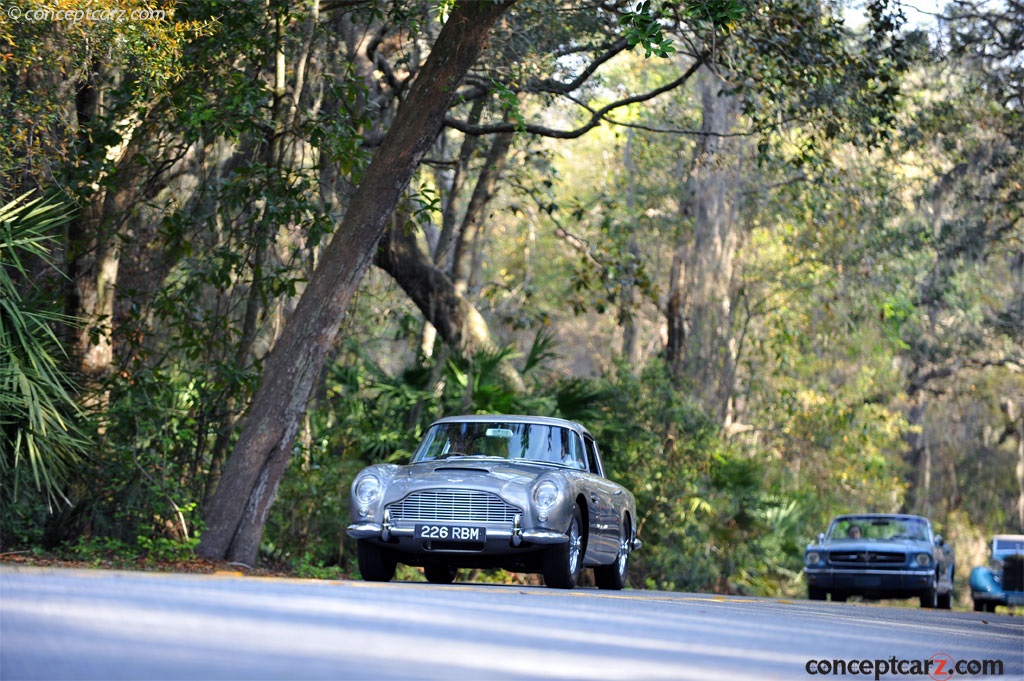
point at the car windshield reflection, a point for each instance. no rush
(536, 443)
(878, 529)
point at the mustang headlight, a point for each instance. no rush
(367, 491)
(545, 496)
(923, 559)
(812, 558)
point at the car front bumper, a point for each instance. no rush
(870, 581)
(499, 539)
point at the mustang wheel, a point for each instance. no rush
(563, 562)
(439, 574)
(816, 593)
(929, 598)
(614, 576)
(375, 564)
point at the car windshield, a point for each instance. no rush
(1003, 546)
(538, 443)
(871, 528)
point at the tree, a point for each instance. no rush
(237, 512)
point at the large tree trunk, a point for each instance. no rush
(700, 294)
(238, 510)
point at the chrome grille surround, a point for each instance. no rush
(872, 558)
(453, 505)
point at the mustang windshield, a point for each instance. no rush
(503, 440)
(878, 529)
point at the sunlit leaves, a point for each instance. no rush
(641, 27)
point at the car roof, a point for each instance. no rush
(1009, 537)
(514, 418)
(873, 516)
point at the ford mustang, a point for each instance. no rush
(880, 556)
(524, 493)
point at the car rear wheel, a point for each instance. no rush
(563, 562)
(440, 574)
(614, 576)
(376, 564)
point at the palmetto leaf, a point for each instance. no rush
(38, 416)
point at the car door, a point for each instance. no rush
(603, 501)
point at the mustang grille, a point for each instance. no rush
(868, 558)
(453, 505)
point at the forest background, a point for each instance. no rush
(770, 253)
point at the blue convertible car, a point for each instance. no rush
(1002, 582)
(880, 556)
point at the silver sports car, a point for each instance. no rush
(524, 493)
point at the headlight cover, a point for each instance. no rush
(812, 558)
(923, 559)
(545, 496)
(367, 490)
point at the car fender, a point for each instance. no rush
(983, 580)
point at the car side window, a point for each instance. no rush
(593, 462)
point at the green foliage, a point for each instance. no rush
(41, 427)
(145, 551)
(642, 28)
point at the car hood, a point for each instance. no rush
(897, 545)
(506, 478)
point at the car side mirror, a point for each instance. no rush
(939, 541)
(821, 537)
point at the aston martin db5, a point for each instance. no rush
(881, 556)
(523, 493)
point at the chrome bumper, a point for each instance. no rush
(514, 536)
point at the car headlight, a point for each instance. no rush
(545, 496)
(923, 559)
(367, 491)
(812, 558)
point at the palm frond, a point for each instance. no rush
(39, 419)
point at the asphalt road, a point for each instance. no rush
(77, 624)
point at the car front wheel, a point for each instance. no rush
(375, 563)
(929, 598)
(563, 562)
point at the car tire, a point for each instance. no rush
(944, 601)
(376, 564)
(929, 598)
(613, 576)
(816, 593)
(564, 562)
(439, 573)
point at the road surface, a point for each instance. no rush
(82, 624)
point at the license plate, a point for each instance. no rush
(451, 533)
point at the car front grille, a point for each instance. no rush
(1013, 573)
(872, 558)
(450, 505)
